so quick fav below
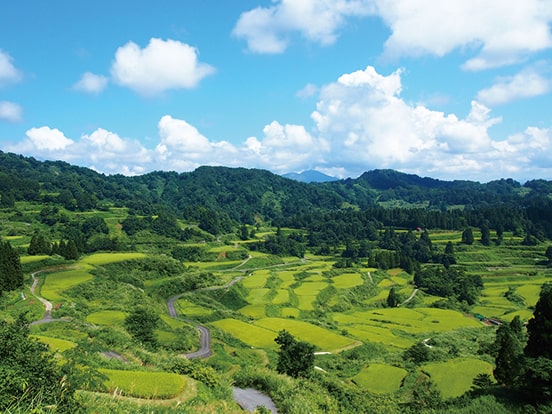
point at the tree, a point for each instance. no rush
(393, 298)
(39, 245)
(141, 324)
(467, 236)
(30, 377)
(539, 328)
(11, 275)
(485, 235)
(508, 362)
(537, 379)
(548, 254)
(295, 358)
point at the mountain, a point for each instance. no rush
(310, 176)
(245, 195)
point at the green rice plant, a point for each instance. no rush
(310, 288)
(191, 310)
(377, 334)
(256, 280)
(250, 334)
(107, 318)
(55, 344)
(530, 293)
(56, 283)
(32, 259)
(105, 258)
(254, 311)
(316, 278)
(347, 280)
(290, 312)
(322, 338)
(258, 296)
(454, 377)
(287, 278)
(379, 378)
(282, 297)
(387, 282)
(306, 302)
(142, 384)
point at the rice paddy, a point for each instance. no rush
(143, 384)
(379, 378)
(454, 377)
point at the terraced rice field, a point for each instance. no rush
(107, 317)
(56, 283)
(324, 339)
(144, 384)
(379, 378)
(453, 378)
(347, 280)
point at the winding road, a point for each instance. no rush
(47, 318)
(204, 350)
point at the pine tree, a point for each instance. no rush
(508, 362)
(11, 275)
(537, 380)
(467, 236)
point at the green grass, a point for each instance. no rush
(379, 378)
(454, 377)
(144, 384)
(107, 317)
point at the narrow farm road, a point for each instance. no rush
(47, 318)
(410, 297)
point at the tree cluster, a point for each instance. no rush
(11, 275)
(295, 358)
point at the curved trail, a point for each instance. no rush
(204, 350)
(410, 297)
(47, 318)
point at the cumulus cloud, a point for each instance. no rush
(268, 29)
(501, 32)
(46, 138)
(8, 72)
(10, 111)
(525, 84)
(160, 66)
(368, 125)
(494, 32)
(91, 83)
(361, 122)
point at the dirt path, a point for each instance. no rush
(47, 318)
(410, 297)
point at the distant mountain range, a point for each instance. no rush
(244, 195)
(310, 176)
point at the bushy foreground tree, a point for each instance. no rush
(295, 358)
(141, 324)
(30, 377)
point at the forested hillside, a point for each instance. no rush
(163, 292)
(243, 194)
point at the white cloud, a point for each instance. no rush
(8, 72)
(268, 29)
(46, 138)
(366, 125)
(361, 122)
(10, 111)
(162, 65)
(501, 31)
(91, 83)
(525, 84)
(307, 91)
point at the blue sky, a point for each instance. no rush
(460, 89)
